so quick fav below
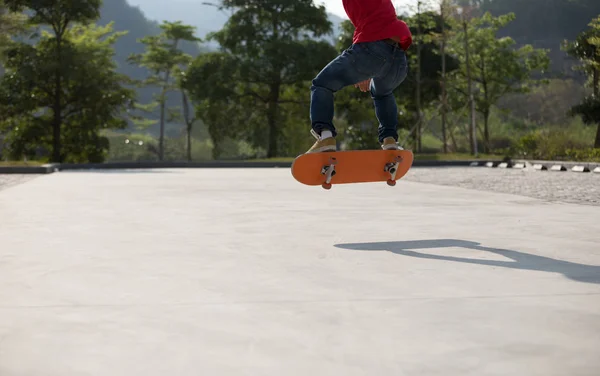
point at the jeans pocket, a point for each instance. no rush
(367, 61)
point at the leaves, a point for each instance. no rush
(586, 49)
(166, 63)
(93, 96)
(497, 68)
(58, 14)
(266, 47)
(11, 24)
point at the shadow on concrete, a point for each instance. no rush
(524, 261)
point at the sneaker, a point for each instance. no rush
(390, 144)
(321, 145)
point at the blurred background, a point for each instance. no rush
(148, 80)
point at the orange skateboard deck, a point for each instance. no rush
(354, 166)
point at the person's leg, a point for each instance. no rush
(382, 89)
(355, 64)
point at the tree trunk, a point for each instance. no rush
(272, 112)
(57, 120)
(161, 139)
(443, 83)
(486, 132)
(216, 150)
(418, 94)
(486, 106)
(472, 133)
(188, 122)
(453, 139)
(56, 107)
(189, 143)
(163, 103)
(597, 142)
(596, 82)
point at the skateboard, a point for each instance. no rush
(353, 166)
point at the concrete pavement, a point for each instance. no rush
(247, 272)
(566, 186)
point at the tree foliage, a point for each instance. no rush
(498, 68)
(268, 45)
(586, 48)
(11, 24)
(165, 61)
(60, 89)
(92, 95)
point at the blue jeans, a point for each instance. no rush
(386, 64)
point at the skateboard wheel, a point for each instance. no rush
(326, 185)
(391, 182)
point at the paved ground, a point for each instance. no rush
(246, 272)
(9, 180)
(566, 186)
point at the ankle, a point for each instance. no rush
(326, 134)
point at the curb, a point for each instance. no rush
(560, 165)
(463, 163)
(161, 165)
(43, 169)
(226, 164)
(580, 169)
(555, 166)
(558, 168)
(50, 168)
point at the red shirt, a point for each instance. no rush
(376, 20)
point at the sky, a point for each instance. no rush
(336, 7)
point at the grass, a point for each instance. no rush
(20, 164)
(418, 157)
(455, 157)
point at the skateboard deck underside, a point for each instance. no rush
(356, 166)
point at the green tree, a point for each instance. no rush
(164, 60)
(497, 68)
(58, 15)
(586, 48)
(214, 83)
(272, 46)
(11, 23)
(92, 95)
(187, 112)
(444, 8)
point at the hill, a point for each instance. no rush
(546, 24)
(132, 19)
(206, 18)
(142, 17)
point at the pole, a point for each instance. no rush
(443, 83)
(473, 135)
(418, 78)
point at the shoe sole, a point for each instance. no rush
(322, 149)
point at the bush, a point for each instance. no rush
(555, 144)
(137, 147)
(584, 155)
(362, 138)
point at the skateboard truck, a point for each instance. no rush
(392, 168)
(329, 171)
